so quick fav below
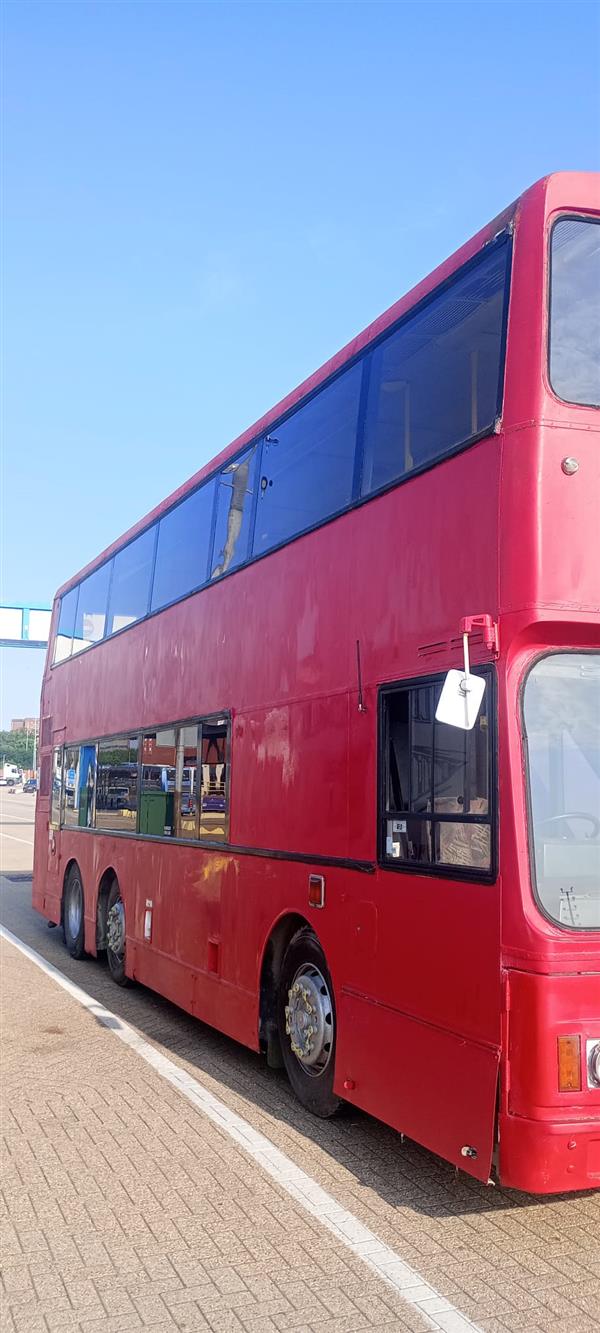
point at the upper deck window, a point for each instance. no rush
(435, 382)
(90, 621)
(63, 642)
(575, 311)
(308, 463)
(130, 591)
(182, 552)
(236, 488)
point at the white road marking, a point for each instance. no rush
(437, 1312)
(13, 838)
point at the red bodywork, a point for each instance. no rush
(450, 995)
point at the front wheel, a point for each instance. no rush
(306, 1021)
(115, 935)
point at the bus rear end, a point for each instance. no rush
(549, 1120)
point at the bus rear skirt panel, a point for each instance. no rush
(432, 1085)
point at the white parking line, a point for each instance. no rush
(13, 838)
(437, 1312)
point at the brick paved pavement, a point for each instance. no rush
(509, 1262)
(124, 1208)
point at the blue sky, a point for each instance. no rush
(203, 201)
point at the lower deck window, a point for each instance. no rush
(55, 792)
(214, 786)
(172, 782)
(116, 796)
(435, 784)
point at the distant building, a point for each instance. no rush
(24, 724)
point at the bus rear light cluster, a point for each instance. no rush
(593, 1063)
(569, 1063)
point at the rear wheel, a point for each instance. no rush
(115, 935)
(73, 913)
(306, 1021)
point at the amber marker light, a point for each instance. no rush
(569, 1064)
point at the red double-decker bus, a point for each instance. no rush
(259, 795)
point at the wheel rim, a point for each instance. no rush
(74, 908)
(309, 1020)
(115, 930)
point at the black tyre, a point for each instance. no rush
(73, 913)
(116, 935)
(306, 1023)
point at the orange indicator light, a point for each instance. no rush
(569, 1064)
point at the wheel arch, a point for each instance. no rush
(270, 971)
(107, 878)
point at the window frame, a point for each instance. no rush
(474, 874)
(569, 216)
(502, 238)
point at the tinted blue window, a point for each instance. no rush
(63, 642)
(90, 621)
(434, 383)
(308, 463)
(183, 542)
(130, 590)
(235, 494)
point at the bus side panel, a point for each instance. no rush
(428, 1083)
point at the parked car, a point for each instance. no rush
(30, 785)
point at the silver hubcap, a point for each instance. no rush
(74, 909)
(115, 929)
(309, 1019)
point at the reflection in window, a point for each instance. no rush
(70, 802)
(55, 794)
(130, 589)
(182, 552)
(562, 722)
(186, 782)
(575, 311)
(90, 620)
(436, 783)
(214, 800)
(235, 493)
(435, 382)
(66, 624)
(87, 786)
(157, 802)
(116, 796)
(308, 463)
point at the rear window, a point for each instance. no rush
(575, 311)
